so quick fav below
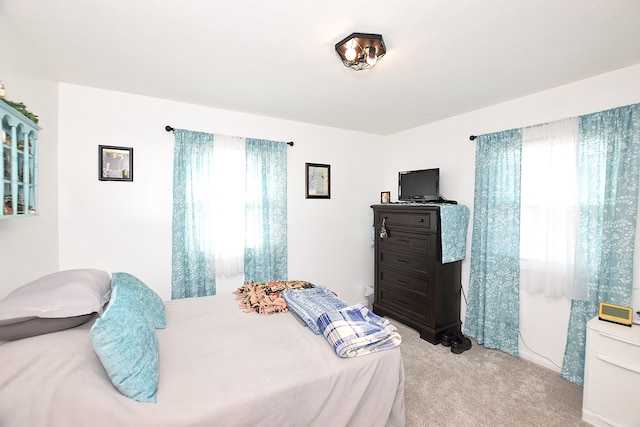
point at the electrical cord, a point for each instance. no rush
(536, 353)
(521, 337)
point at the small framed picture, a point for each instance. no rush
(115, 163)
(385, 197)
(318, 181)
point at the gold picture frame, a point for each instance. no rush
(385, 197)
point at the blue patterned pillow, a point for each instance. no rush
(126, 343)
(151, 303)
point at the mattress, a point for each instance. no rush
(218, 366)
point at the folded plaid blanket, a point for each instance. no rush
(354, 331)
(308, 304)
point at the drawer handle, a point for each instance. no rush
(421, 220)
(402, 283)
(403, 261)
(619, 363)
(604, 334)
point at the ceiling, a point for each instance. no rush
(276, 58)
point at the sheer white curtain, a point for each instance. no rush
(549, 207)
(228, 195)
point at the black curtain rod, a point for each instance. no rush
(471, 138)
(170, 129)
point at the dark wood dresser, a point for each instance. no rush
(412, 284)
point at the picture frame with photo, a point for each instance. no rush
(385, 197)
(115, 163)
(318, 181)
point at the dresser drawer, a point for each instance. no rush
(395, 280)
(426, 220)
(412, 263)
(622, 349)
(416, 309)
(611, 374)
(400, 240)
(613, 396)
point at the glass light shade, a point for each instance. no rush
(361, 51)
(371, 56)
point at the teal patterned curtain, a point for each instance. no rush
(609, 169)
(264, 172)
(493, 310)
(192, 272)
(266, 211)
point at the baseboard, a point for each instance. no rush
(597, 420)
(537, 359)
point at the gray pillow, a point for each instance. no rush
(54, 302)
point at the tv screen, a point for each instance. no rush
(419, 185)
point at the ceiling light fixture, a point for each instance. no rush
(361, 51)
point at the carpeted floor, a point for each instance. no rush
(482, 387)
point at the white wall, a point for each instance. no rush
(126, 226)
(29, 246)
(446, 145)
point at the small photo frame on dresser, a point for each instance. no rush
(385, 197)
(115, 163)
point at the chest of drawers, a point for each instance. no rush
(611, 375)
(412, 284)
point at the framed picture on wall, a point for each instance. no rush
(318, 181)
(115, 163)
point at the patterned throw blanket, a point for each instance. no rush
(308, 304)
(266, 297)
(354, 331)
(351, 330)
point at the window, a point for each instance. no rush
(229, 211)
(228, 199)
(549, 207)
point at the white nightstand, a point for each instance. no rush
(611, 394)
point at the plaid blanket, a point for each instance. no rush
(308, 304)
(355, 331)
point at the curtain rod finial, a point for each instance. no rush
(472, 137)
(169, 128)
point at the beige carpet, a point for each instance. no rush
(482, 387)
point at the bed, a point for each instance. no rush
(217, 366)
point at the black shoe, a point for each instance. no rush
(447, 337)
(460, 343)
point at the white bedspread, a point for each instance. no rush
(218, 367)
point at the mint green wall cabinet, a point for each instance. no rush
(19, 166)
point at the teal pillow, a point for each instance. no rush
(150, 301)
(126, 343)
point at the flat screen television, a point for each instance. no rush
(419, 185)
